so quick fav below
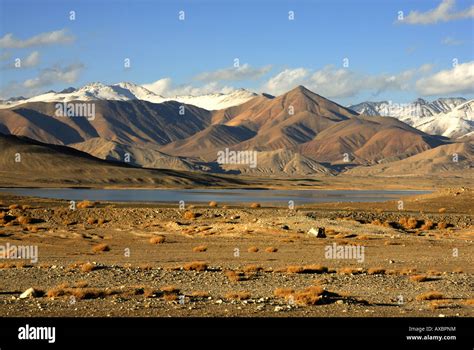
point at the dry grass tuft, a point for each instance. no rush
(418, 278)
(102, 247)
(252, 268)
(376, 222)
(283, 292)
(271, 249)
(86, 204)
(253, 250)
(170, 297)
(428, 225)
(200, 248)
(157, 239)
(307, 269)
(237, 296)
(92, 221)
(199, 295)
(88, 267)
(376, 271)
(170, 289)
(350, 270)
(308, 296)
(196, 266)
(442, 225)
(24, 220)
(235, 276)
(294, 269)
(429, 296)
(189, 215)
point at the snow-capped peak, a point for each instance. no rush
(455, 123)
(126, 91)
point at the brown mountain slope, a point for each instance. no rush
(286, 120)
(436, 161)
(367, 140)
(146, 157)
(281, 163)
(48, 165)
(127, 122)
(207, 142)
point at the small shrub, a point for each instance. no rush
(237, 296)
(253, 250)
(196, 266)
(85, 204)
(418, 278)
(235, 276)
(255, 205)
(271, 249)
(91, 221)
(428, 225)
(102, 247)
(283, 292)
(213, 204)
(88, 267)
(200, 248)
(252, 268)
(442, 225)
(376, 271)
(157, 239)
(429, 296)
(189, 215)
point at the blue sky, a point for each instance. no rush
(387, 59)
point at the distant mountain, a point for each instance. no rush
(450, 117)
(296, 133)
(281, 163)
(455, 123)
(126, 91)
(436, 161)
(52, 165)
(135, 122)
(145, 157)
(417, 109)
(285, 121)
(367, 140)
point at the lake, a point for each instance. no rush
(273, 197)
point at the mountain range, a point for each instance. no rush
(296, 133)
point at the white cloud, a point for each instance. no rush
(335, 82)
(166, 88)
(4, 56)
(243, 72)
(443, 13)
(458, 80)
(57, 74)
(32, 60)
(286, 80)
(43, 39)
(159, 87)
(451, 41)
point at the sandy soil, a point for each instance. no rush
(134, 277)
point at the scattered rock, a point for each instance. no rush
(318, 233)
(278, 308)
(29, 293)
